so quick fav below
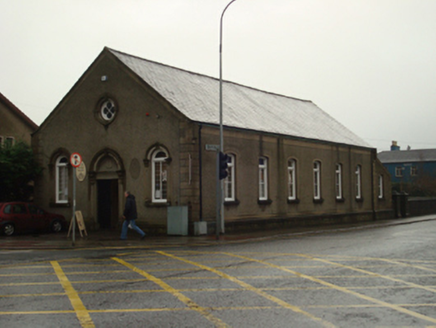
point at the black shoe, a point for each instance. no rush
(143, 237)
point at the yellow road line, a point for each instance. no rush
(81, 311)
(28, 284)
(70, 273)
(27, 274)
(36, 312)
(139, 310)
(250, 288)
(190, 303)
(420, 267)
(378, 275)
(31, 295)
(339, 288)
(16, 284)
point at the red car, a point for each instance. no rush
(22, 216)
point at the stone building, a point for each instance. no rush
(147, 128)
(14, 124)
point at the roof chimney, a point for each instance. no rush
(394, 146)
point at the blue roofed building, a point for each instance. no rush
(413, 171)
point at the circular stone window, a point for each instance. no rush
(108, 110)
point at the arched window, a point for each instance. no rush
(292, 182)
(62, 180)
(159, 176)
(263, 178)
(229, 182)
(358, 182)
(316, 180)
(338, 181)
(380, 187)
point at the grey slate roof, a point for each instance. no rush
(197, 97)
(407, 156)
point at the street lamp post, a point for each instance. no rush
(220, 183)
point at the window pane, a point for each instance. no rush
(160, 177)
(108, 110)
(9, 142)
(19, 209)
(263, 178)
(338, 181)
(316, 180)
(229, 182)
(62, 180)
(63, 183)
(358, 182)
(380, 186)
(291, 180)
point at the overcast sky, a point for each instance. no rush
(371, 64)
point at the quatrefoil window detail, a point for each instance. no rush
(108, 110)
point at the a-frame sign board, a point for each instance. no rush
(80, 224)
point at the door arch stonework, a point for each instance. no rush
(105, 166)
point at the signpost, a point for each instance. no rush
(81, 172)
(75, 161)
(209, 147)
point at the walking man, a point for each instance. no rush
(129, 216)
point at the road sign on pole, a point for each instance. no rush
(75, 159)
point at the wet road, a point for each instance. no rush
(383, 277)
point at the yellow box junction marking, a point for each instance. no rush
(190, 303)
(342, 289)
(372, 274)
(80, 309)
(250, 288)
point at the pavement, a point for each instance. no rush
(111, 239)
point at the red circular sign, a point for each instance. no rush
(75, 159)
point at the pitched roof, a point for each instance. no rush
(407, 156)
(197, 97)
(18, 112)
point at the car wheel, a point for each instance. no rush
(8, 229)
(56, 226)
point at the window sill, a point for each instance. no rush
(340, 200)
(359, 200)
(264, 202)
(293, 201)
(151, 204)
(318, 201)
(232, 202)
(60, 204)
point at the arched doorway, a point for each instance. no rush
(107, 187)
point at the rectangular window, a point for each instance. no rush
(358, 182)
(398, 171)
(229, 182)
(292, 185)
(380, 186)
(316, 180)
(9, 141)
(338, 181)
(19, 209)
(413, 171)
(263, 178)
